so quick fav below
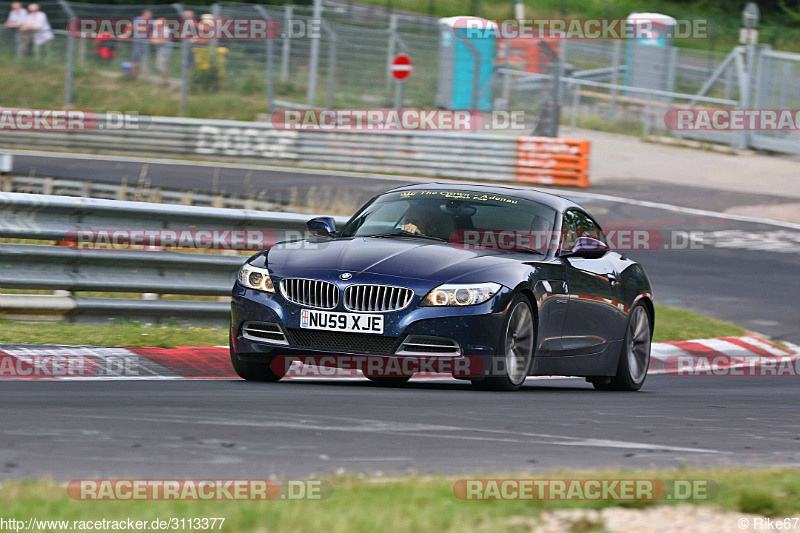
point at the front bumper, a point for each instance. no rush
(476, 329)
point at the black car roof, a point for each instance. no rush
(558, 203)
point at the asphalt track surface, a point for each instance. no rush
(275, 182)
(230, 428)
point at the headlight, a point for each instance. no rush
(256, 278)
(459, 295)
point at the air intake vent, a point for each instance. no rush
(310, 292)
(376, 298)
(427, 345)
(264, 332)
(335, 341)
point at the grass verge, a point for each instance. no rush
(671, 325)
(404, 504)
(680, 325)
(126, 334)
(41, 86)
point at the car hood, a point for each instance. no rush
(401, 258)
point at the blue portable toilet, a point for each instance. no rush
(647, 54)
(467, 48)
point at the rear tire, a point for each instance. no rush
(634, 357)
(250, 371)
(516, 345)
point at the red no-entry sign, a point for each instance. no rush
(401, 67)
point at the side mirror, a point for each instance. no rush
(322, 226)
(586, 248)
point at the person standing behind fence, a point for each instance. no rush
(16, 17)
(36, 28)
(140, 32)
(162, 41)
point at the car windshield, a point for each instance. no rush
(455, 216)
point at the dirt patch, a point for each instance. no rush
(657, 519)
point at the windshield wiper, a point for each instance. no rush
(403, 233)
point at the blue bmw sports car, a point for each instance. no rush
(515, 282)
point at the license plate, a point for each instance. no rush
(349, 322)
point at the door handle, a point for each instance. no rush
(612, 278)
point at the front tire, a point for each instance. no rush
(250, 371)
(634, 357)
(517, 345)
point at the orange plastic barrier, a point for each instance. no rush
(553, 161)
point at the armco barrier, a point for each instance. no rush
(455, 155)
(123, 191)
(63, 268)
(40, 216)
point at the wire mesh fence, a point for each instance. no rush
(784, 95)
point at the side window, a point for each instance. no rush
(578, 224)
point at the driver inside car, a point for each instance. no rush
(418, 221)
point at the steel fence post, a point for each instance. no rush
(331, 65)
(287, 43)
(757, 91)
(216, 12)
(557, 97)
(615, 75)
(82, 52)
(747, 97)
(70, 75)
(270, 70)
(671, 68)
(576, 96)
(70, 72)
(270, 75)
(311, 93)
(390, 53)
(185, 51)
(728, 83)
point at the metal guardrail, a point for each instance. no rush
(60, 268)
(38, 216)
(141, 191)
(31, 266)
(458, 155)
